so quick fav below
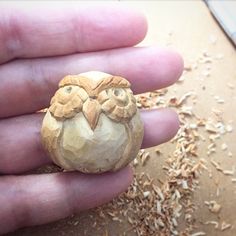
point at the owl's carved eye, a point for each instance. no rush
(118, 104)
(119, 95)
(117, 92)
(67, 101)
(68, 89)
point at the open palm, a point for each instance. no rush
(40, 46)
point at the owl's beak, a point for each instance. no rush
(92, 110)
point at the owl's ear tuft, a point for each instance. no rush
(73, 80)
(112, 82)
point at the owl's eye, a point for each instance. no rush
(68, 92)
(68, 89)
(118, 104)
(119, 95)
(118, 92)
(67, 101)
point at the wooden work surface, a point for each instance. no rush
(188, 27)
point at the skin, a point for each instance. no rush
(38, 47)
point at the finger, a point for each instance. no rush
(39, 30)
(21, 145)
(28, 85)
(39, 199)
(159, 126)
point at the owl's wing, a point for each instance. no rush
(67, 101)
(117, 108)
(51, 132)
(134, 131)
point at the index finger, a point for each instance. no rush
(39, 199)
(28, 31)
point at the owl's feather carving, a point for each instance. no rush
(77, 94)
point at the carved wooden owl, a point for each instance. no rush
(92, 124)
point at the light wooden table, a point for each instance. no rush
(188, 27)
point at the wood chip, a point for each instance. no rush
(225, 226)
(231, 86)
(216, 165)
(187, 68)
(219, 56)
(229, 128)
(144, 158)
(228, 172)
(230, 154)
(224, 146)
(146, 194)
(212, 222)
(200, 233)
(212, 39)
(211, 128)
(213, 206)
(233, 180)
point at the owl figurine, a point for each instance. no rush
(93, 124)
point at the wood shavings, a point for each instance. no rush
(219, 100)
(152, 208)
(144, 158)
(200, 233)
(157, 151)
(219, 56)
(178, 102)
(213, 206)
(225, 226)
(184, 184)
(206, 73)
(218, 113)
(212, 39)
(76, 223)
(186, 110)
(135, 162)
(211, 148)
(231, 86)
(205, 58)
(212, 222)
(187, 67)
(217, 192)
(229, 172)
(181, 79)
(106, 233)
(229, 128)
(224, 146)
(213, 137)
(216, 165)
(210, 127)
(146, 194)
(230, 154)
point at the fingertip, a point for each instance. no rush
(172, 120)
(129, 175)
(133, 19)
(122, 178)
(122, 26)
(135, 23)
(173, 64)
(102, 188)
(140, 21)
(178, 64)
(157, 67)
(160, 125)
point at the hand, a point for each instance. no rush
(38, 47)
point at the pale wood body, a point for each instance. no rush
(93, 124)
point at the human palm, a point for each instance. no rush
(39, 46)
